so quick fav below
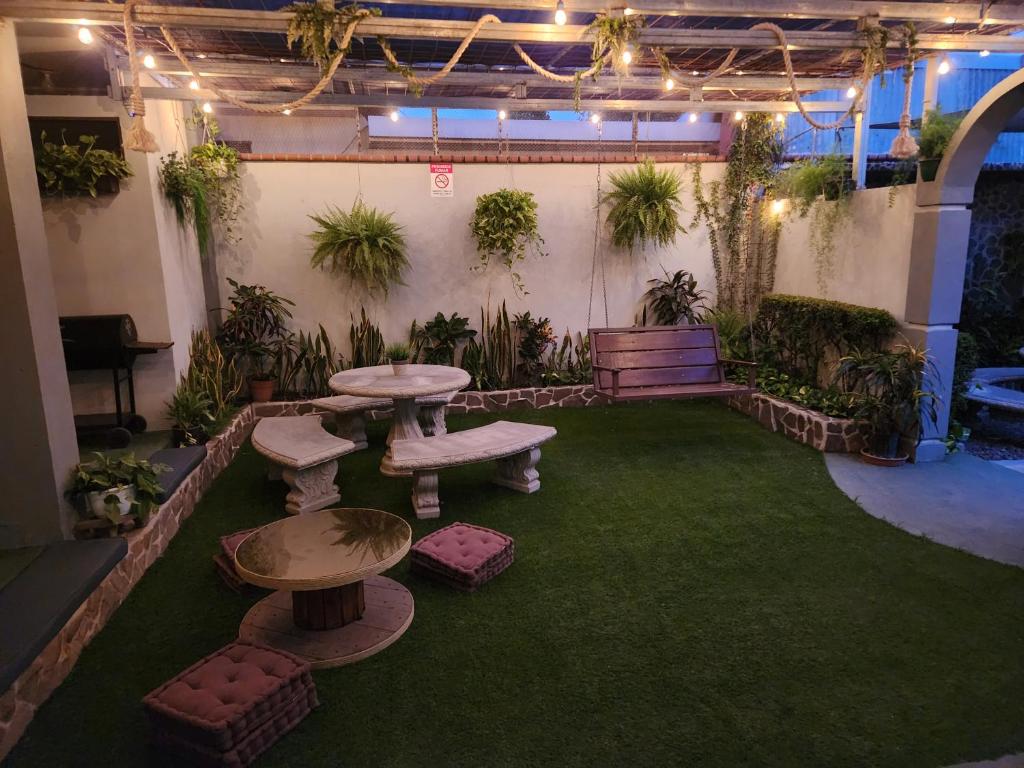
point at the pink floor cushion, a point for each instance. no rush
(224, 561)
(228, 708)
(463, 556)
(229, 544)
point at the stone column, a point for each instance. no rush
(37, 432)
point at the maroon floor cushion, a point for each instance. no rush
(463, 556)
(228, 708)
(224, 561)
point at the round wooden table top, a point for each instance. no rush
(414, 381)
(324, 549)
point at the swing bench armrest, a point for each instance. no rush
(751, 372)
(615, 376)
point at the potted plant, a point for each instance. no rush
(75, 170)
(111, 487)
(887, 389)
(254, 331)
(645, 207)
(807, 180)
(191, 410)
(504, 224)
(364, 242)
(398, 355)
(936, 131)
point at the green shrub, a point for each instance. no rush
(803, 336)
(936, 131)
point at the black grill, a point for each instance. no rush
(108, 342)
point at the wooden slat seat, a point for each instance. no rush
(662, 362)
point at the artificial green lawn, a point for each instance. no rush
(689, 590)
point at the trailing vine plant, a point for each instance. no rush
(318, 29)
(504, 224)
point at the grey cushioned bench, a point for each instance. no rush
(305, 456)
(181, 461)
(36, 604)
(515, 447)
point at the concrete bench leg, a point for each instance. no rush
(352, 426)
(424, 495)
(519, 472)
(312, 488)
(432, 420)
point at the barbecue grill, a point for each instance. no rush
(111, 342)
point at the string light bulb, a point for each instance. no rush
(502, 114)
(286, 112)
(738, 117)
(778, 207)
(148, 61)
(207, 107)
(984, 53)
(560, 17)
(394, 115)
(780, 117)
(692, 117)
(84, 35)
(851, 92)
(669, 83)
(595, 118)
(627, 54)
(201, 55)
(193, 85)
(950, 20)
(944, 66)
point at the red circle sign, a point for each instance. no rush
(441, 181)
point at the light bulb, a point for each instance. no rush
(286, 111)
(148, 61)
(950, 19)
(738, 117)
(201, 55)
(695, 73)
(984, 53)
(84, 35)
(628, 11)
(943, 67)
(669, 83)
(207, 107)
(780, 117)
(502, 114)
(692, 117)
(851, 92)
(560, 17)
(627, 55)
(394, 115)
(595, 118)
(778, 207)
(193, 85)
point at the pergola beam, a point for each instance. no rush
(647, 80)
(381, 101)
(225, 19)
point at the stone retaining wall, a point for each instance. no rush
(577, 395)
(19, 703)
(826, 433)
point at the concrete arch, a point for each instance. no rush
(942, 226)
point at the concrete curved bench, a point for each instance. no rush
(350, 414)
(984, 388)
(515, 446)
(305, 456)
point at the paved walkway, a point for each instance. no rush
(963, 502)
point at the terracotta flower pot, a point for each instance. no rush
(261, 390)
(399, 367)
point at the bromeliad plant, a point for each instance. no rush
(111, 476)
(676, 299)
(505, 225)
(888, 386)
(364, 243)
(438, 340)
(76, 170)
(645, 207)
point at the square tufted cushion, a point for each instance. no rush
(239, 697)
(462, 555)
(229, 544)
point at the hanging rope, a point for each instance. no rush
(595, 68)
(137, 138)
(302, 101)
(904, 145)
(866, 75)
(389, 54)
(691, 81)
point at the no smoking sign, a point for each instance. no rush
(442, 180)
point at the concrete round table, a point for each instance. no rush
(403, 388)
(330, 608)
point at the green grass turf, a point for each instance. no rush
(689, 590)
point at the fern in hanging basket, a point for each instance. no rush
(645, 207)
(505, 225)
(365, 243)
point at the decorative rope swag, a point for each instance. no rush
(137, 138)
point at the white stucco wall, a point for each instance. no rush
(871, 261)
(125, 253)
(275, 250)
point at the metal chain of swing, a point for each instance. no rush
(597, 238)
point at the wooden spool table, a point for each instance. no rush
(403, 388)
(331, 607)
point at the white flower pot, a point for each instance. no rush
(96, 500)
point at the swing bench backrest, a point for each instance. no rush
(663, 362)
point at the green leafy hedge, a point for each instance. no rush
(802, 336)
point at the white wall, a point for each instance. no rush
(303, 133)
(275, 249)
(124, 253)
(871, 262)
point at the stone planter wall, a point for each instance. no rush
(825, 433)
(573, 396)
(19, 703)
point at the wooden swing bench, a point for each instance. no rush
(663, 363)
